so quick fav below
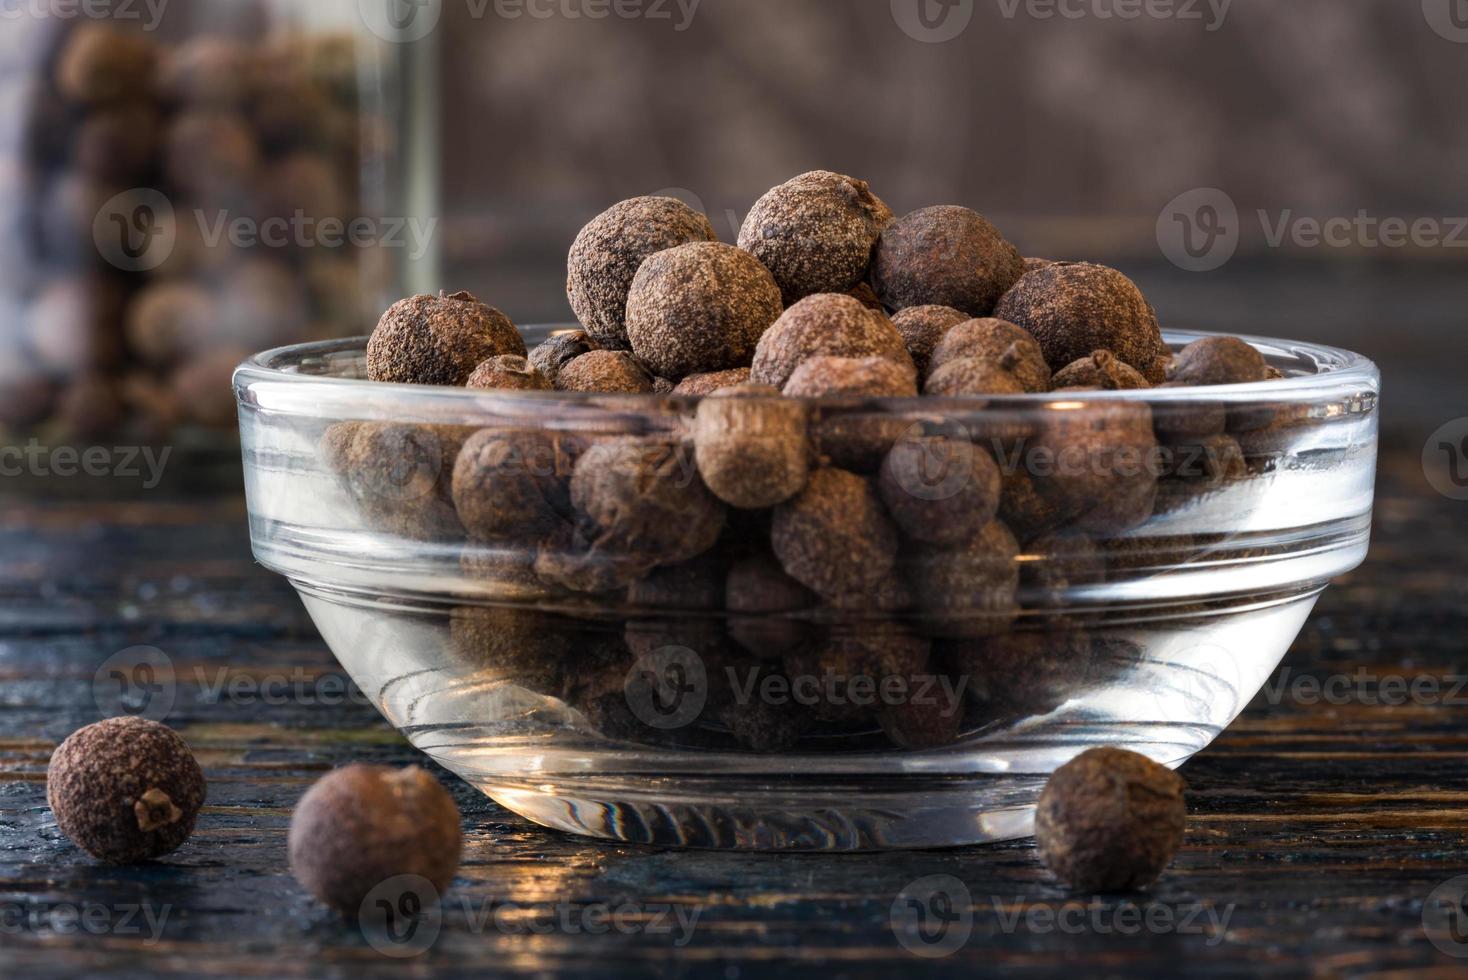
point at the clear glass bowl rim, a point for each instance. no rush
(1337, 372)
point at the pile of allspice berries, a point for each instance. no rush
(773, 507)
(128, 295)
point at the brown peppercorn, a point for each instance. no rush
(999, 342)
(1055, 564)
(762, 727)
(698, 385)
(559, 350)
(1110, 820)
(938, 489)
(644, 497)
(853, 672)
(125, 790)
(206, 71)
(358, 828)
(678, 606)
(512, 483)
(1074, 308)
(761, 600)
(611, 248)
(1089, 463)
(169, 320)
(751, 446)
(263, 304)
(508, 371)
(923, 328)
(1030, 672)
(860, 377)
(968, 377)
(824, 325)
(118, 144)
(211, 155)
(288, 111)
(700, 307)
(816, 233)
(569, 559)
(834, 537)
(100, 65)
(967, 590)
(439, 340)
(304, 184)
(1031, 264)
(90, 406)
(399, 475)
(605, 372)
(1103, 370)
(201, 385)
(1217, 361)
(922, 724)
(944, 256)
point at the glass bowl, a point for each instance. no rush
(612, 651)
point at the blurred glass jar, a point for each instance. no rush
(181, 186)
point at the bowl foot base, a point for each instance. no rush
(940, 813)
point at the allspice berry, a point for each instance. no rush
(816, 233)
(751, 446)
(944, 256)
(1217, 361)
(359, 827)
(999, 342)
(643, 497)
(611, 248)
(211, 155)
(698, 385)
(761, 601)
(100, 65)
(125, 790)
(605, 372)
(969, 377)
(834, 537)
(508, 371)
(1103, 370)
(864, 377)
(967, 589)
(1110, 820)
(510, 484)
(939, 489)
(168, 320)
(700, 307)
(559, 350)
(923, 328)
(1075, 308)
(439, 340)
(824, 325)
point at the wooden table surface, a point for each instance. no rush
(1319, 827)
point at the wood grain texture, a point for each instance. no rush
(1319, 829)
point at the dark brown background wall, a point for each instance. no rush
(1074, 134)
